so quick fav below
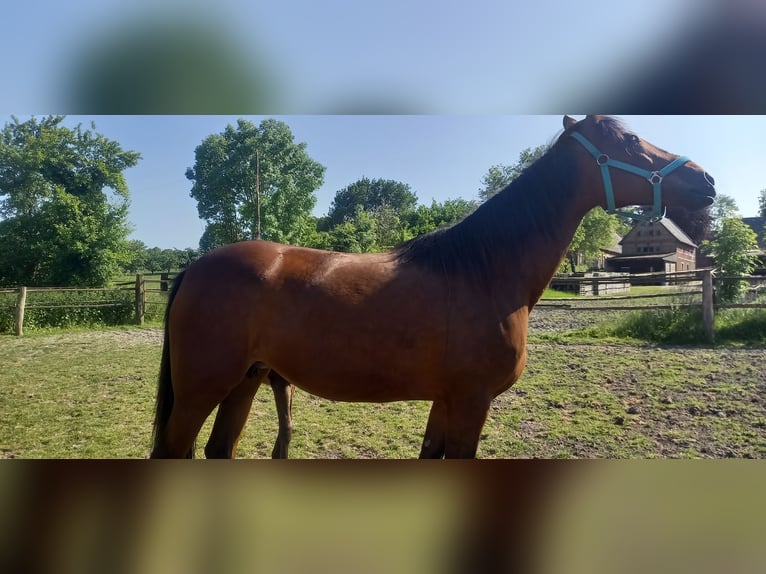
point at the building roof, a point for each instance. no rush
(671, 257)
(616, 244)
(668, 224)
(676, 231)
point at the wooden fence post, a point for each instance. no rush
(140, 294)
(21, 302)
(708, 315)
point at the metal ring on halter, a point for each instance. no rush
(655, 178)
(604, 157)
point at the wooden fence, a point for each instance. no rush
(141, 287)
(695, 288)
(687, 289)
(145, 286)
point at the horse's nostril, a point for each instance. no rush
(709, 178)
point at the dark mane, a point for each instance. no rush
(523, 211)
(613, 129)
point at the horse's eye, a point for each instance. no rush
(633, 138)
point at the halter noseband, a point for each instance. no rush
(653, 177)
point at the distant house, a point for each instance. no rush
(655, 247)
(757, 224)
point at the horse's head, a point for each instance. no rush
(628, 170)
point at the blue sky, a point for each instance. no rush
(440, 157)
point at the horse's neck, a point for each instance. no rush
(547, 205)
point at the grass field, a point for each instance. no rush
(75, 394)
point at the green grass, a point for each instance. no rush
(90, 394)
(79, 394)
(555, 294)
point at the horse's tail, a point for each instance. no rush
(164, 404)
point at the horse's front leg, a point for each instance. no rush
(466, 418)
(436, 432)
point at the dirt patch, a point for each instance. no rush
(624, 400)
(127, 337)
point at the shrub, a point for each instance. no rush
(45, 309)
(684, 325)
(680, 325)
(742, 325)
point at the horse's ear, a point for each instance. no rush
(569, 122)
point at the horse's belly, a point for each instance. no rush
(360, 382)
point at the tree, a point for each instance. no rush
(187, 256)
(254, 180)
(373, 196)
(390, 227)
(724, 207)
(368, 215)
(595, 232)
(63, 204)
(359, 235)
(429, 218)
(154, 261)
(734, 252)
(137, 256)
(762, 203)
(499, 176)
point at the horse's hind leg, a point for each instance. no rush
(283, 397)
(185, 422)
(232, 416)
(436, 432)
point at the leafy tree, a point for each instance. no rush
(357, 236)
(499, 176)
(63, 204)
(186, 256)
(231, 167)
(594, 233)
(216, 234)
(733, 250)
(762, 203)
(368, 215)
(429, 218)
(137, 256)
(373, 196)
(724, 207)
(154, 261)
(390, 228)
(164, 259)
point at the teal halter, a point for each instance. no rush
(654, 177)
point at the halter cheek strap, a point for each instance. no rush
(653, 177)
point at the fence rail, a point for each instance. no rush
(688, 289)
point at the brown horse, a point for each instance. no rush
(441, 318)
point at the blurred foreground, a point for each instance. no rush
(235, 57)
(454, 517)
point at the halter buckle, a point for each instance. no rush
(655, 178)
(602, 159)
